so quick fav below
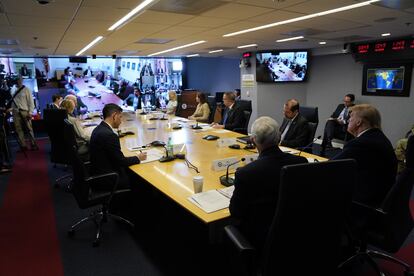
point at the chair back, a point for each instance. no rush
(311, 115)
(310, 218)
(54, 123)
(211, 100)
(390, 229)
(409, 153)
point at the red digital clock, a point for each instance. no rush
(380, 47)
(412, 44)
(362, 49)
(398, 45)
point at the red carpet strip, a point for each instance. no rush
(29, 243)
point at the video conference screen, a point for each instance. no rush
(282, 66)
(385, 78)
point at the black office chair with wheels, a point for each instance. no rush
(211, 100)
(388, 226)
(83, 191)
(308, 223)
(311, 115)
(54, 124)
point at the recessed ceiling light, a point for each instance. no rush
(179, 47)
(305, 17)
(246, 46)
(215, 51)
(322, 42)
(290, 38)
(96, 40)
(193, 55)
(137, 9)
(386, 34)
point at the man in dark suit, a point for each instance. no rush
(233, 115)
(336, 125)
(56, 100)
(105, 150)
(24, 72)
(256, 185)
(294, 130)
(374, 154)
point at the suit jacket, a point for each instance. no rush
(338, 111)
(376, 165)
(105, 152)
(256, 193)
(298, 133)
(235, 117)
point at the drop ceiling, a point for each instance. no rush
(63, 27)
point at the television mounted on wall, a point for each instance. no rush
(387, 79)
(78, 59)
(282, 66)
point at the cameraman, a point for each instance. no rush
(22, 110)
(5, 162)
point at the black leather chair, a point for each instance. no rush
(308, 223)
(244, 129)
(83, 190)
(54, 124)
(211, 100)
(388, 226)
(311, 114)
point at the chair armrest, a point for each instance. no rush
(367, 209)
(238, 239)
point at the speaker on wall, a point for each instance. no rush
(113, 56)
(94, 56)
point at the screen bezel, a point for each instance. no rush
(275, 52)
(405, 92)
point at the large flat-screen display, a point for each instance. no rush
(78, 59)
(387, 80)
(282, 66)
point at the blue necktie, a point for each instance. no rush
(226, 112)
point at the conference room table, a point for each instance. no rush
(88, 87)
(174, 179)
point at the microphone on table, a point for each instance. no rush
(309, 146)
(224, 179)
(196, 126)
(168, 156)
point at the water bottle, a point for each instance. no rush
(170, 147)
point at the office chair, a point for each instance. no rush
(244, 129)
(54, 124)
(211, 100)
(86, 197)
(388, 226)
(308, 223)
(311, 115)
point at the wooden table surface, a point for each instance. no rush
(174, 179)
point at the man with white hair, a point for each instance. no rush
(256, 185)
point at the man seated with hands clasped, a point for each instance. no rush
(336, 125)
(294, 129)
(105, 149)
(256, 185)
(233, 116)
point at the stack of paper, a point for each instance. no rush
(213, 200)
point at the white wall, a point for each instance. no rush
(330, 78)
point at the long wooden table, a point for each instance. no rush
(174, 179)
(93, 103)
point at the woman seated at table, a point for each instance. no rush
(172, 103)
(82, 139)
(202, 111)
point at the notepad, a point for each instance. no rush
(213, 200)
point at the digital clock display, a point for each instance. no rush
(363, 48)
(380, 47)
(398, 45)
(412, 44)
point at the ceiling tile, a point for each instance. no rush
(124, 4)
(275, 16)
(164, 18)
(35, 21)
(101, 13)
(207, 22)
(236, 11)
(314, 6)
(58, 9)
(271, 4)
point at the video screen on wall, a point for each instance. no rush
(154, 73)
(282, 66)
(387, 80)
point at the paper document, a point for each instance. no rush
(152, 155)
(210, 201)
(221, 131)
(227, 192)
(288, 150)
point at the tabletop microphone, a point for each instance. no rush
(309, 146)
(224, 179)
(168, 157)
(196, 126)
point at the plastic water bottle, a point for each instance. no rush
(170, 147)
